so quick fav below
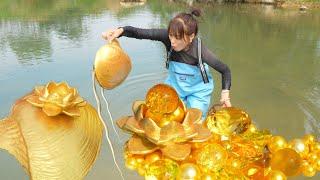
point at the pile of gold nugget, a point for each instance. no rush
(170, 141)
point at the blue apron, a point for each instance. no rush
(187, 81)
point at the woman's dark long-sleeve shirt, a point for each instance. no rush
(189, 57)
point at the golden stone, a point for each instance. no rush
(162, 98)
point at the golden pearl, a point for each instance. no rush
(312, 157)
(252, 128)
(276, 143)
(139, 158)
(253, 171)
(207, 177)
(189, 171)
(236, 163)
(156, 117)
(315, 147)
(300, 146)
(309, 139)
(162, 98)
(286, 160)
(317, 164)
(227, 145)
(308, 170)
(276, 175)
(211, 156)
(141, 170)
(177, 115)
(131, 163)
(155, 156)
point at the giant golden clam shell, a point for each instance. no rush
(112, 65)
(61, 146)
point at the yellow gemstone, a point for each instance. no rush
(162, 98)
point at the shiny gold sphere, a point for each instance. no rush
(253, 171)
(317, 164)
(315, 147)
(309, 139)
(156, 117)
(141, 170)
(112, 65)
(276, 143)
(236, 163)
(162, 98)
(227, 145)
(139, 158)
(300, 147)
(162, 169)
(152, 157)
(212, 156)
(131, 163)
(276, 175)
(286, 160)
(189, 171)
(208, 177)
(308, 170)
(252, 128)
(312, 157)
(164, 119)
(178, 114)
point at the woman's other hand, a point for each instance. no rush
(225, 98)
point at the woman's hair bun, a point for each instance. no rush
(195, 12)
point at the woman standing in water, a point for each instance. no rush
(187, 71)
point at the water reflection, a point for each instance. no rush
(30, 38)
(30, 44)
